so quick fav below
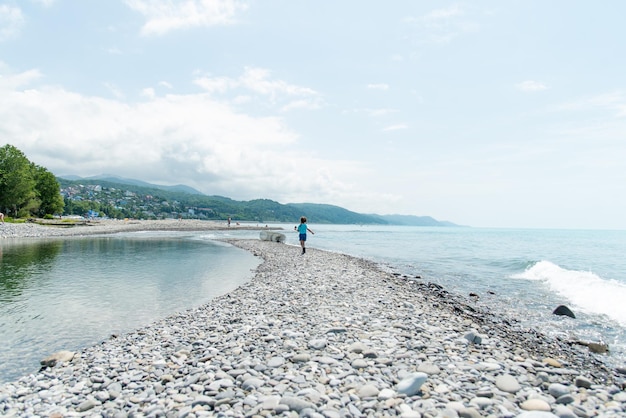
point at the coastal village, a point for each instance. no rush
(123, 203)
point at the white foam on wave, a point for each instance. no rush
(585, 289)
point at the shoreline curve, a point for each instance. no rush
(323, 334)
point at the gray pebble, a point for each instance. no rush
(295, 404)
(508, 383)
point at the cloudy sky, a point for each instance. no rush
(483, 113)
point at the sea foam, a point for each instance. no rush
(584, 289)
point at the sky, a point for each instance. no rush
(482, 113)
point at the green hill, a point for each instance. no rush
(118, 198)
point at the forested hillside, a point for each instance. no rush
(117, 200)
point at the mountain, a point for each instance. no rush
(335, 214)
(156, 201)
(111, 178)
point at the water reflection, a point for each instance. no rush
(22, 264)
(66, 294)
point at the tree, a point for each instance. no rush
(27, 189)
(47, 188)
(17, 183)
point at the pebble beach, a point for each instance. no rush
(110, 226)
(319, 334)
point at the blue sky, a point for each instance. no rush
(483, 113)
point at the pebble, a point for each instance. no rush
(583, 382)
(368, 391)
(535, 405)
(557, 390)
(411, 385)
(323, 335)
(428, 368)
(507, 383)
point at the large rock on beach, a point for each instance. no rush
(563, 311)
(58, 357)
(599, 348)
(272, 236)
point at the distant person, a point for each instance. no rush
(302, 230)
(229, 221)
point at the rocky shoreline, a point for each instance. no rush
(323, 335)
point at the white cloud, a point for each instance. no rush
(380, 112)
(191, 139)
(300, 104)
(241, 99)
(11, 21)
(376, 113)
(117, 93)
(216, 84)
(379, 86)
(45, 3)
(530, 85)
(398, 127)
(9, 82)
(443, 14)
(260, 82)
(148, 93)
(163, 16)
(615, 102)
(442, 26)
(257, 79)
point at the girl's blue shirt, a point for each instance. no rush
(302, 228)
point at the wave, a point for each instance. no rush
(515, 264)
(585, 289)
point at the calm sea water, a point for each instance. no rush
(66, 294)
(523, 273)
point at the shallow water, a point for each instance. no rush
(63, 294)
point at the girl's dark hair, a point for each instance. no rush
(302, 220)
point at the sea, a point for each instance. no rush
(64, 294)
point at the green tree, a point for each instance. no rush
(17, 183)
(48, 192)
(78, 207)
